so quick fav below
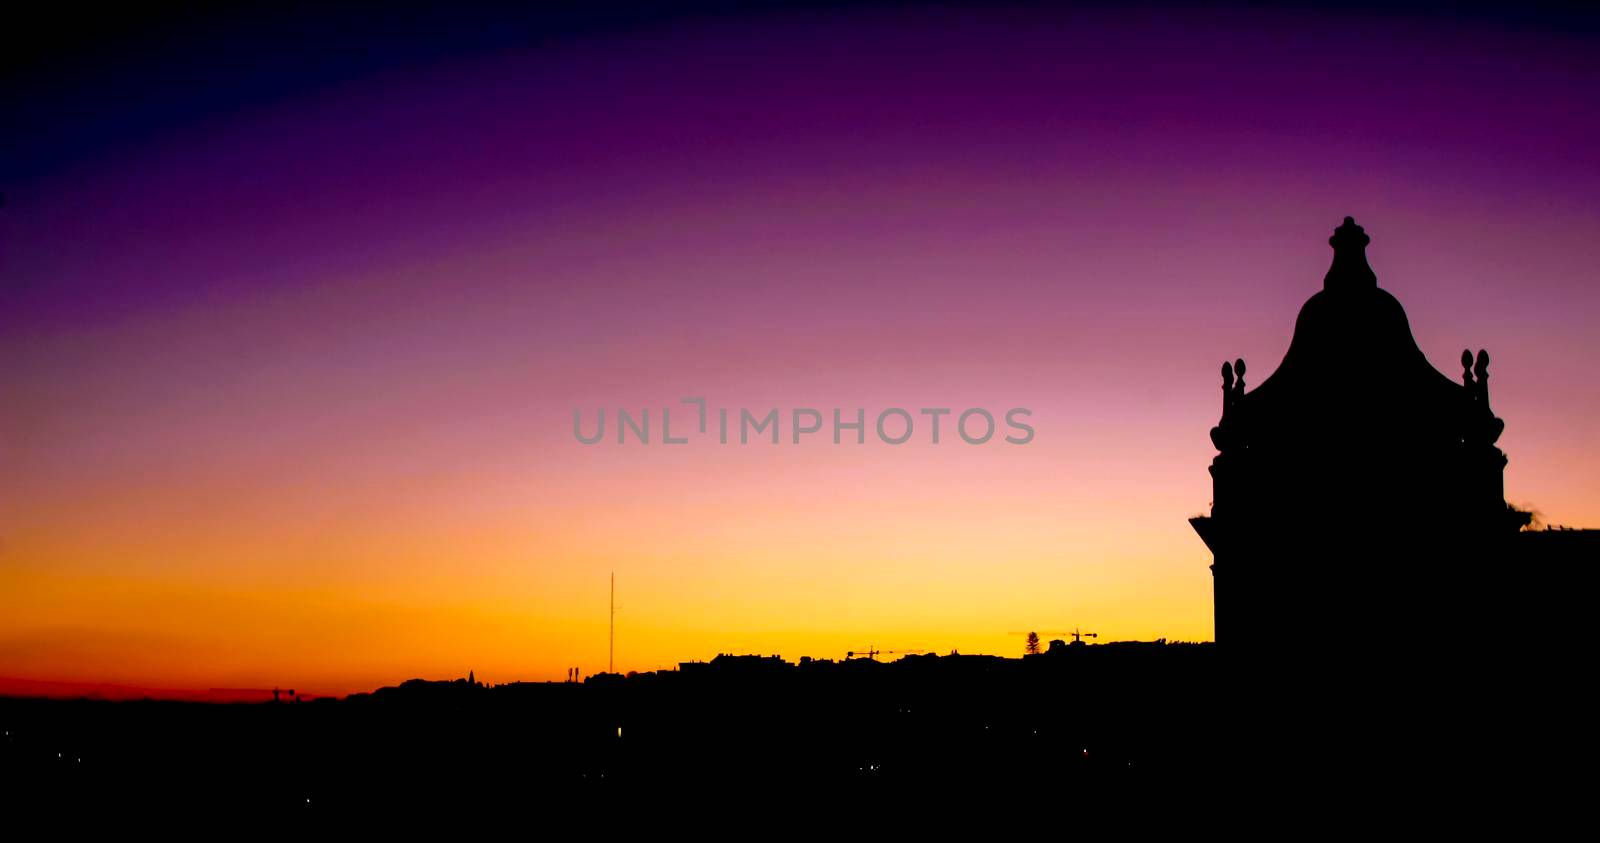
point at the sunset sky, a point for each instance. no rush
(294, 324)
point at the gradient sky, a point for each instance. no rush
(289, 362)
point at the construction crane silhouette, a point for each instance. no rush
(874, 652)
(1077, 636)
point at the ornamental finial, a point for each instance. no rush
(1350, 269)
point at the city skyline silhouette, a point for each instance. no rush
(474, 408)
(1299, 554)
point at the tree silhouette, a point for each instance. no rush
(1032, 647)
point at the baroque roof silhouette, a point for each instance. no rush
(1353, 372)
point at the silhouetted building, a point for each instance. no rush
(1358, 490)
(1359, 531)
(730, 664)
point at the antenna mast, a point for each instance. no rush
(611, 651)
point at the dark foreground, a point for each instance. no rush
(1082, 727)
(1109, 713)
